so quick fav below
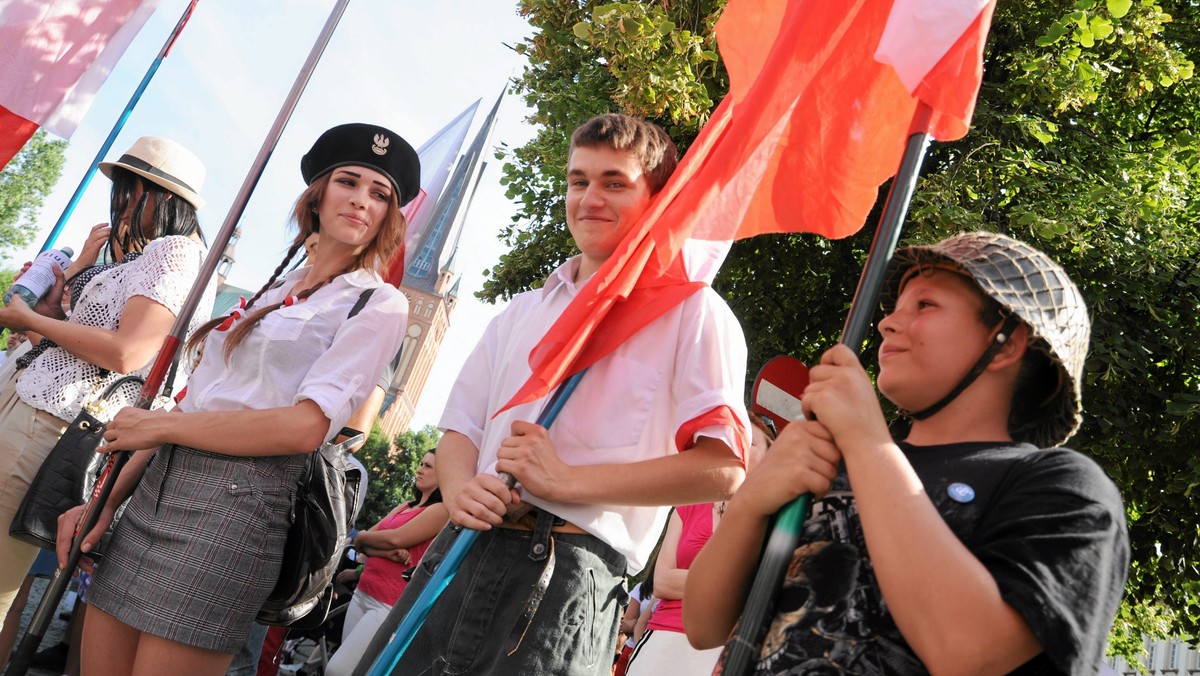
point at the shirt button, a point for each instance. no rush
(233, 487)
(539, 548)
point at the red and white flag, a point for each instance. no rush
(822, 97)
(56, 55)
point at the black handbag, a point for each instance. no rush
(67, 476)
(322, 516)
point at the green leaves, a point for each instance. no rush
(652, 59)
(1084, 143)
(1118, 8)
(391, 473)
(24, 184)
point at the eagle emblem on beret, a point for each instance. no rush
(381, 144)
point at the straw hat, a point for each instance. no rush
(166, 163)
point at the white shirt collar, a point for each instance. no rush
(361, 278)
(563, 275)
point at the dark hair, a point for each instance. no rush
(1037, 379)
(375, 256)
(765, 424)
(648, 580)
(646, 140)
(173, 215)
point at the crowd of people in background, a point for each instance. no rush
(968, 540)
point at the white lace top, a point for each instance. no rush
(60, 383)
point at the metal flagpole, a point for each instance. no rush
(785, 536)
(116, 129)
(116, 461)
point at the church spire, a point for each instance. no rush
(445, 226)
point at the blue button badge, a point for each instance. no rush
(960, 492)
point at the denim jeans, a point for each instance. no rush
(245, 660)
(573, 632)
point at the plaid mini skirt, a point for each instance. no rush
(199, 546)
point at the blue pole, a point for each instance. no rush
(112, 135)
(447, 569)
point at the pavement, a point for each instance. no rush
(57, 630)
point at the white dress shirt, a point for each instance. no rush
(310, 350)
(627, 407)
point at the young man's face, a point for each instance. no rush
(931, 339)
(607, 190)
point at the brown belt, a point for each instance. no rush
(528, 520)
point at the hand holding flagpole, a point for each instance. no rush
(744, 645)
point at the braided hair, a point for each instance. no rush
(374, 256)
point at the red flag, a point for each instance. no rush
(815, 121)
(15, 131)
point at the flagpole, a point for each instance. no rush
(745, 644)
(69, 210)
(390, 654)
(116, 461)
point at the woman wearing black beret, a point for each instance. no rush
(200, 543)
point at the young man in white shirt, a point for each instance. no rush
(658, 422)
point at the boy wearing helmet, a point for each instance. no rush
(976, 544)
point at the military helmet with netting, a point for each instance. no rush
(1034, 288)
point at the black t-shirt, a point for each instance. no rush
(1048, 524)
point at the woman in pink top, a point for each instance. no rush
(664, 648)
(393, 545)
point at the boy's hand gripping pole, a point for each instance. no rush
(744, 645)
(390, 655)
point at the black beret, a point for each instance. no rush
(365, 145)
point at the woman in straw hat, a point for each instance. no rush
(121, 314)
(200, 544)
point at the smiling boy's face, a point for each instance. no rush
(931, 339)
(607, 190)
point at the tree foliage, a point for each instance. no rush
(1083, 143)
(391, 469)
(24, 184)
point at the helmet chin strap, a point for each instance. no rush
(1006, 328)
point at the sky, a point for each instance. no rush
(408, 65)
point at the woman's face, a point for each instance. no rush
(147, 213)
(354, 206)
(426, 475)
(310, 245)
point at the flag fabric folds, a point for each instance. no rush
(819, 109)
(56, 55)
(15, 131)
